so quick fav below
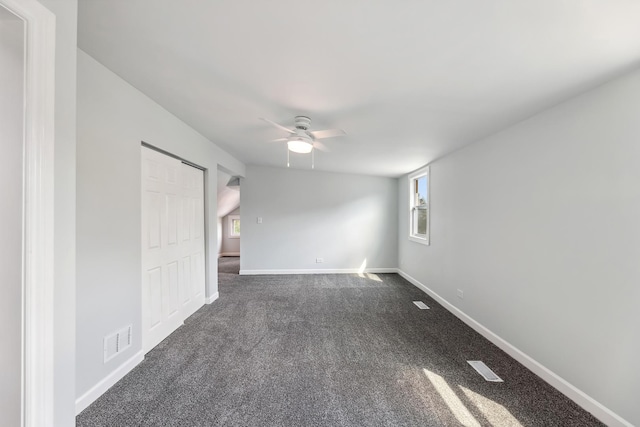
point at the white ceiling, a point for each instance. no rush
(409, 81)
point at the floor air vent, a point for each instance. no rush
(484, 370)
(421, 305)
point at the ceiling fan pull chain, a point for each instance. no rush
(287, 157)
(312, 158)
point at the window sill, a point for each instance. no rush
(234, 237)
(421, 240)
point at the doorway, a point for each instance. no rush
(229, 225)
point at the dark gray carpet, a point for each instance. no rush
(326, 350)
(229, 265)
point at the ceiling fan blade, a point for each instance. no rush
(279, 140)
(329, 133)
(320, 146)
(277, 125)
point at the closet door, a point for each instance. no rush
(192, 240)
(172, 262)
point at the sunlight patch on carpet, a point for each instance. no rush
(496, 414)
(454, 403)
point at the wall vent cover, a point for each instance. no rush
(421, 305)
(484, 370)
(116, 343)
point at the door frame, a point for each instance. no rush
(38, 203)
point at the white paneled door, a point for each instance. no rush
(192, 240)
(173, 276)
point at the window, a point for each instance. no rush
(234, 226)
(419, 206)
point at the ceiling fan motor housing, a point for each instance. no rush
(302, 122)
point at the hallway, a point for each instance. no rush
(228, 265)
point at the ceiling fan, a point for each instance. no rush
(302, 140)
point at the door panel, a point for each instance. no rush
(155, 296)
(198, 291)
(193, 238)
(186, 280)
(174, 288)
(153, 201)
(172, 219)
(186, 211)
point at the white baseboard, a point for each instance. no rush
(228, 254)
(319, 271)
(589, 404)
(212, 298)
(99, 389)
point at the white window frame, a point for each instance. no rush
(411, 182)
(230, 220)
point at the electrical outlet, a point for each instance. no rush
(460, 294)
(319, 260)
(259, 220)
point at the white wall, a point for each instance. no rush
(113, 119)
(219, 231)
(539, 226)
(229, 245)
(11, 171)
(345, 219)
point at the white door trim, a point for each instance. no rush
(38, 268)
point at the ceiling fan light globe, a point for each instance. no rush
(299, 146)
